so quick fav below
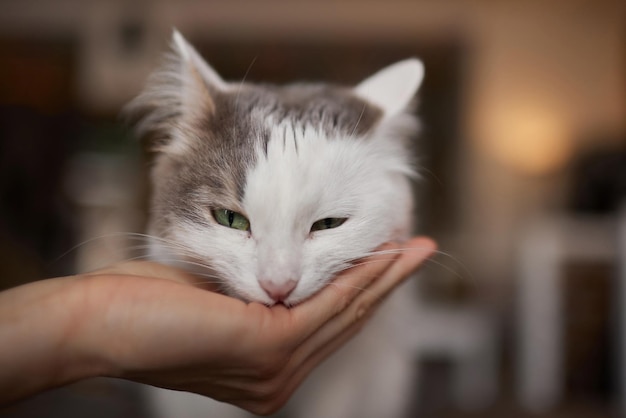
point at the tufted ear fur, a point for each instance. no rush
(193, 62)
(179, 92)
(393, 87)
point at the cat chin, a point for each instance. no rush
(300, 295)
(266, 300)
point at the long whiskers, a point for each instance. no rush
(179, 253)
(465, 272)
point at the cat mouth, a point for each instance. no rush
(288, 294)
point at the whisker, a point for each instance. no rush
(358, 121)
(241, 83)
(432, 175)
(202, 276)
(464, 269)
(182, 254)
(87, 242)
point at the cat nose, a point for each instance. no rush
(278, 291)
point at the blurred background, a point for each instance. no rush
(523, 152)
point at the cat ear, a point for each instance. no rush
(178, 93)
(393, 87)
(190, 58)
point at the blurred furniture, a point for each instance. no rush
(466, 338)
(545, 247)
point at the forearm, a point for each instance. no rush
(150, 323)
(39, 348)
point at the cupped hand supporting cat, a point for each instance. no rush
(150, 323)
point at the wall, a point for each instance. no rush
(543, 80)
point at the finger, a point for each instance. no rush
(323, 344)
(310, 315)
(297, 371)
(413, 254)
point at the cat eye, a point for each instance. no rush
(231, 219)
(327, 223)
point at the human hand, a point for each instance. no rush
(150, 323)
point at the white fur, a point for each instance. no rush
(301, 177)
(306, 177)
(393, 87)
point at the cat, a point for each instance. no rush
(273, 190)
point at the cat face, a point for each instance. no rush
(273, 190)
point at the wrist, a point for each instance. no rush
(84, 335)
(41, 326)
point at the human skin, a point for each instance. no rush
(154, 324)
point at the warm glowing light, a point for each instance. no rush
(529, 138)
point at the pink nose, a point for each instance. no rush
(278, 291)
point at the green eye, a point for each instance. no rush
(231, 219)
(327, 223)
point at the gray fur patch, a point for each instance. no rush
(221, 141)
(225, 141)
(333, 110)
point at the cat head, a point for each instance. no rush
(272, 190)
